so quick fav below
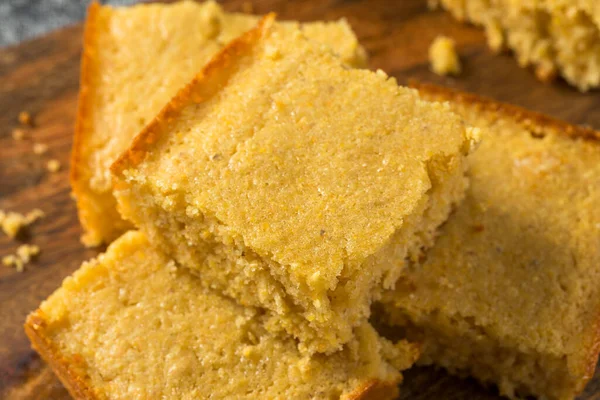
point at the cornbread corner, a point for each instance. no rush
(134, 60)
(289, 181)
(555, 37)
(130, 324)
(510, 293)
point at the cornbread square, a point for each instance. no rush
(510, 293)
(554, 36)
(130, 325)
(134, 60)
(292, 182)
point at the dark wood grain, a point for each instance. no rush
(41, 76)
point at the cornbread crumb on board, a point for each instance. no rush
(12, 222)
(25, 253)
(18, 134)
(308, 201)
(53, 165)
(25, 118)
(206, 343)
(40, 148)
(443, 56)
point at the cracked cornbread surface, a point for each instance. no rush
(130, 324)
(135, 59)
(510, 291)
(554, 36)
(292, 182)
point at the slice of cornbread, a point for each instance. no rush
(130, 325)
(134, 60)
(292, 182)
(554, 36)
(510, 293)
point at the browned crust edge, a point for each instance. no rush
(71, 376)
(85, 92)
(218, 67)
(533, 121)
(376, 390)
(539, 124)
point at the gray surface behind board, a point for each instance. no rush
(24, 19)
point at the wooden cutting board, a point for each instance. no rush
(41, 77)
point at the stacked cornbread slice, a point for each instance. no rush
(278, 194)
(510, 293)
(290, 182)
(134, 61)
(131, 325)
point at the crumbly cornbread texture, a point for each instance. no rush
(510, 291)
(135, 59)
(292, 182)
(131, 325)
(554, 36)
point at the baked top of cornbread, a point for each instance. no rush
(134, 60)
(309, 163)
(519, 260)
(130, 324)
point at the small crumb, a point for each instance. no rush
(40, 148)
(53, 165)
(25, 118)
(13, 222)
(34, 215)
(13, 261)
(26, 252)
(18, 134)
(443, 57)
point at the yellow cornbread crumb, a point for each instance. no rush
(24, 255)
(13, 261)
(27, 251)
(18, 134)
(25, 118)
(40, 148)
(443, 57)
(13, 222)
(53, 165)
(140, 330)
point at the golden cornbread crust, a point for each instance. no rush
(534, 121)
(553, 359)
(71, 375)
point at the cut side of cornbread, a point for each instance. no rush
(510, 293)
(554, 36)
(292, 182)
(131, 325)
(134, 60)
